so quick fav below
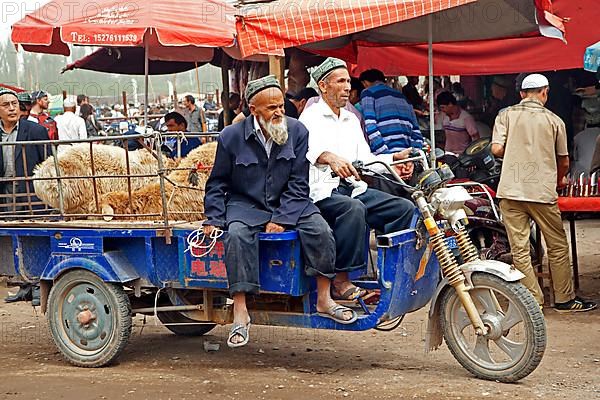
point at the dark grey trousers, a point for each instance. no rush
(241, 252)
(349, 218)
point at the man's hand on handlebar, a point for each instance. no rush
(339, 166)
(402, 155)
(405, 170)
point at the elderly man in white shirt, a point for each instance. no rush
(69, 125)
(347, 204)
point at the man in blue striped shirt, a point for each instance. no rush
(390, 121)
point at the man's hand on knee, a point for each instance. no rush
(272, 227)
(208, 229)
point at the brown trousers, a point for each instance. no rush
(517, 216)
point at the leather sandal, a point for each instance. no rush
(239, 330)
(336, 313)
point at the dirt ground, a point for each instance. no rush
(285, 363)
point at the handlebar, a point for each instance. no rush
(428, 178)
(362, 167)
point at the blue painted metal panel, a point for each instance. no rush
(414, 275)
(281, 264)
(135, 253)
(78, 232)
(32, 255)
(111, 267)
(165, 260)
(207, 271)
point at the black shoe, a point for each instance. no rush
(576, 305)
(24, 294)
(35, 295)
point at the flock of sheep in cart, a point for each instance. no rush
(109, 181)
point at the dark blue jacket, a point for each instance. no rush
(34, 153)
(246, 186)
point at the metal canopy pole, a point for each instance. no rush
(146, 67)
(431, 94)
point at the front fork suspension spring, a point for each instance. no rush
(446, 259)
(467, 249)
(449, 266)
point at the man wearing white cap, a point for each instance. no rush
(70, 126)
(533, 142)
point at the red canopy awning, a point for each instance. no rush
(490, 56)
(130, 61)
(206, 23)
(317, 25)
(13, 88)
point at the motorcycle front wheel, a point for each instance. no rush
(516, 339)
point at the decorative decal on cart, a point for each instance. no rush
(211, 265)
(75, 244)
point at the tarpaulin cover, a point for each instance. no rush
(501, 56)
(326, 25)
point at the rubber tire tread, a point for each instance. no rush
(537, 335)
(121, 305)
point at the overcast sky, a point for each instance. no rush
(13, 10)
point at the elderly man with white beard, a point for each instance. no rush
(259, 183)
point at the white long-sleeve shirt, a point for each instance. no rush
(342, 136)
(70, 126)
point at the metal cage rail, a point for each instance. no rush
(19, 202)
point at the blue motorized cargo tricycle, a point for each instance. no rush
(95, 275)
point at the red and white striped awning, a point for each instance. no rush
(268, 28)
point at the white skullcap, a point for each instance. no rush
(534, 81)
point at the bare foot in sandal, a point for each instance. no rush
(326, 307)
(343, 289)
(337, 312)
(241, 322)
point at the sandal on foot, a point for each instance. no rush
(352, 294)
(336, 313)
(241, 330)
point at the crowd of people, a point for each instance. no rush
(277, 152)
(273, 172)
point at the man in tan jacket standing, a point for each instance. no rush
(533, 142)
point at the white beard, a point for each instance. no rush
(277, 132)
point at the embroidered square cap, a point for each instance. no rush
(258, 85)
(326, 67)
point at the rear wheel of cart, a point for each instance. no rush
(89, 319)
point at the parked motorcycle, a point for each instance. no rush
(485, 226)
(476, 163)
(478, 301)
